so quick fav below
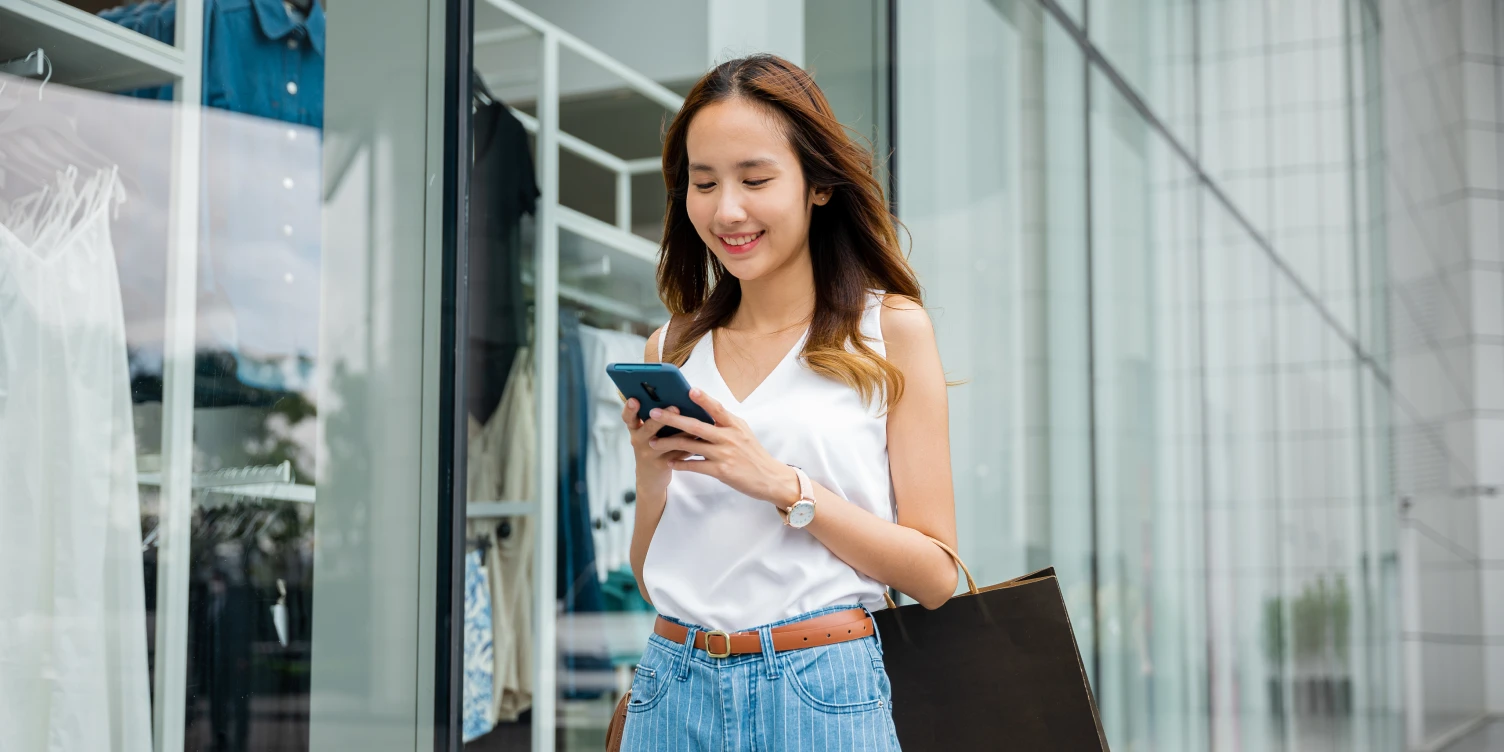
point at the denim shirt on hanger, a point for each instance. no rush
(257, 59)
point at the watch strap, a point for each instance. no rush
(806, 494)
(806, 488)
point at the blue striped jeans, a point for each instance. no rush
(832, 698)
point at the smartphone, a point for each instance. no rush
(656, 385)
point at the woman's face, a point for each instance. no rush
(747, 198)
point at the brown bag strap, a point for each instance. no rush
(618, 725)
(971, 584)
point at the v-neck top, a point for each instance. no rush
(723, 560)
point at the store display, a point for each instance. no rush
(72, 610)
(241, 625)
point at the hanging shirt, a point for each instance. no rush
(502, 466)
(611, 467)
(258, 60)
(502, 190)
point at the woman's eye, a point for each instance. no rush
(756, 183)
(704, 186)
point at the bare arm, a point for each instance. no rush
(919, 459)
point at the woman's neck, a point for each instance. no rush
(778, 301)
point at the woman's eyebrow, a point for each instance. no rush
(745, 164)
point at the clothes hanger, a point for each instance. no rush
(479, 90)
(52, 133)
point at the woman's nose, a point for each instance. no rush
(729, 210)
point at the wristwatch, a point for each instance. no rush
(801, 512)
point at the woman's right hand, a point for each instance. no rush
(653, 470)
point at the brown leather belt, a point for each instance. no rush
(827, 629)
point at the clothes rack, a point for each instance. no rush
(570, 249)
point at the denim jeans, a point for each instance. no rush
(832, 698)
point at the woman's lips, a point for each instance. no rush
(738, 250)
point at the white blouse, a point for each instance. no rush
(723, 560)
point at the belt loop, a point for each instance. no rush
(876, 635)
(682, 669)
(765, 636)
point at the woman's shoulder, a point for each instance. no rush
(905, 322)
(650, 349)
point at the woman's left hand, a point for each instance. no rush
(733, 455)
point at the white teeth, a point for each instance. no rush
(742, 240)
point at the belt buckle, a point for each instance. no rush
(711, 651)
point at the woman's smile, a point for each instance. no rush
(738, 245)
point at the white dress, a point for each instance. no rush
(73, 672)
(722, 560)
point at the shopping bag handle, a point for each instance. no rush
(971, 584)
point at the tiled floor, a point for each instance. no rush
(1487, 738)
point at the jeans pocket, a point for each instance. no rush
(654, 674)
(647, 689)
(836, 678)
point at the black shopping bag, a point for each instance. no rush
(995, 668)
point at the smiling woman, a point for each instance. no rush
(827, 464)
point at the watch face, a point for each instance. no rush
(801, 514)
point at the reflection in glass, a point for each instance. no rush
(207, 587)
(991, 186)
(1151, 44)
(1149, 431)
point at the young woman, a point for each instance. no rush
(764, 540)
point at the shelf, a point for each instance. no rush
(86, 51)
(602, 264)
(261, 482)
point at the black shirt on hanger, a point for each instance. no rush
(502, 189)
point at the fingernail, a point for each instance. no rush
(655, 412)
(653, 443)
(695, 392)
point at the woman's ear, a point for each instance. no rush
(821, 196)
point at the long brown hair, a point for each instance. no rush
(852, 238)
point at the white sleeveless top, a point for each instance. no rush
(724, 560)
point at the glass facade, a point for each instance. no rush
(1217, 283)
(1147, 232)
